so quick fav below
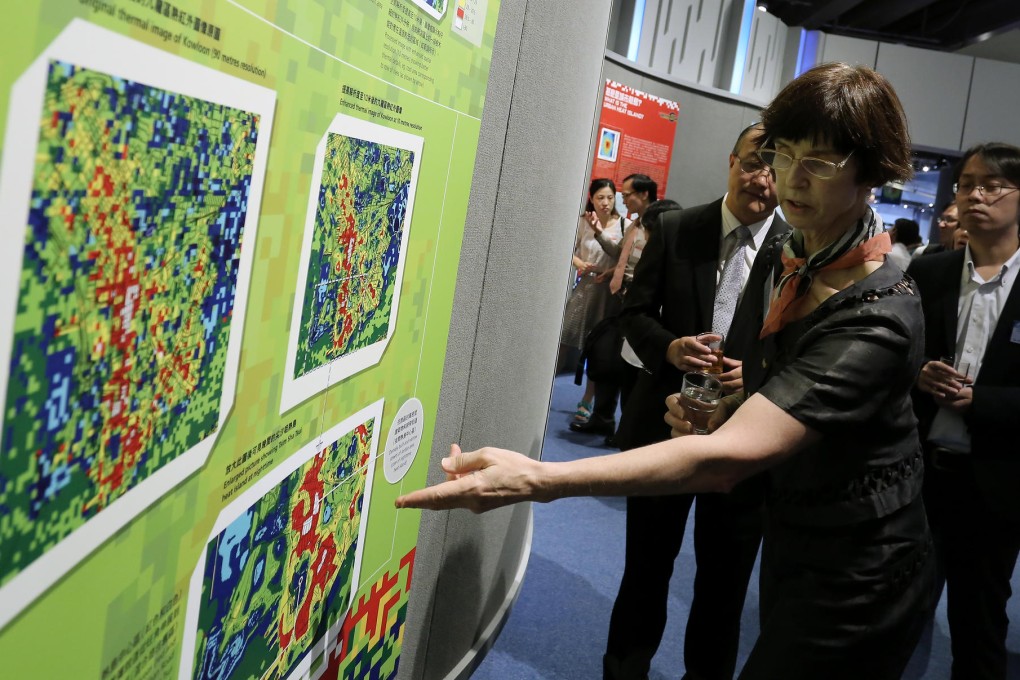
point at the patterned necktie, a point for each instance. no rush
(730, 283)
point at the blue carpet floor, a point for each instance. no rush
(557, 629)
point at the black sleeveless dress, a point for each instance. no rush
(847, 575)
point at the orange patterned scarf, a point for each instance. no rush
(866, 242)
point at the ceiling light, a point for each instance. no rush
(925, 168)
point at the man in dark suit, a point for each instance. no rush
(968, 403)
(675, 295)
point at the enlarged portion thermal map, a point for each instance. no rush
(352, 272)
(126, 293)
(282, 573)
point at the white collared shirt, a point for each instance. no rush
(977, 311)
(759, 230)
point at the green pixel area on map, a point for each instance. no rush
(280, 574)
(356, 239)
(130, 266)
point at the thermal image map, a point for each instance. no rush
(282, 573)
(352, 273)
(126, 294)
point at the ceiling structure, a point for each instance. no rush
(945, 25)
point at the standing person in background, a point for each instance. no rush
(960, 237)
(846, 568)
(650, 221)
(967, 401)
(688, 281)
(947, 221)
(638, 191)
(906, 237)
(600, 225)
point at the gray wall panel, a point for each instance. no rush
(849, 50)
(763, 67)
(993, 104)
(687, 38)
(933, 88)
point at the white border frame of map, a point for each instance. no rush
(432, 11)
(297, 390)
(259, 489)
(85, 44)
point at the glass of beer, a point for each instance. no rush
(700, 396)
(715, 342)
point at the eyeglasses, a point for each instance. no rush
(947, 220)
(625, 194)
(990, 190)
(821, 169)
(751, 166)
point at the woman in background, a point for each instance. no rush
(596, 248)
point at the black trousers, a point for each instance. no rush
(727, 533)
(979, 549)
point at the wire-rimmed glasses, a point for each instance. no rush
(990, 190)
(753, 165)
(822, 169)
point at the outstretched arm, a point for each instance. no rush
(757, 436)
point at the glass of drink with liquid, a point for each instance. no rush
(700, 396)
(715, 342)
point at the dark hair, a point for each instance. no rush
(854, 108)
(908, 232)
(642, 183)
(596, 186)
(650, 220)
(947, 205)
(1001, 158)
(747, 132)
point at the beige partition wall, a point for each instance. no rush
(529, 177)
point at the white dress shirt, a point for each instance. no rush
(977, 311)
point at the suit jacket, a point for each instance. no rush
(673, 295)
(992, 418)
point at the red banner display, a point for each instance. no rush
(635, 135)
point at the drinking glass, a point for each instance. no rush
(700, 396)
(963, 368)
(715, 342)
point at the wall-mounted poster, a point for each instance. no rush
(636, 133)
(231, 237)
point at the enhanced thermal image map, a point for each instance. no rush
(352, 272)
(281, 574)
(126, 293)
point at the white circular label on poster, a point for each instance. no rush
(403, 440)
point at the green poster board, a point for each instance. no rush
(231, 233)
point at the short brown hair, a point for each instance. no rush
(854, 108)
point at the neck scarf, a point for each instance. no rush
(866, 241)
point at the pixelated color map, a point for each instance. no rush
(282, 573)
(127, 289)
(352, 272)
